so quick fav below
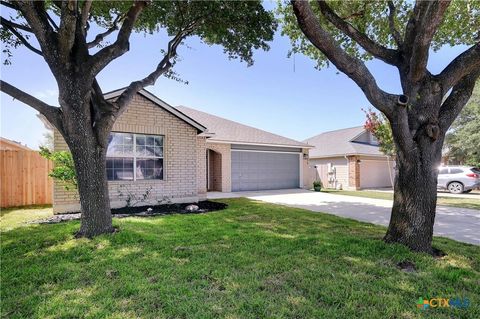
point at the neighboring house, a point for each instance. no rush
(180, 153)
(10, 145)
(349, 158)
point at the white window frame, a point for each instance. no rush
(141, 157)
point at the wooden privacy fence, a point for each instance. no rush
(24, 178)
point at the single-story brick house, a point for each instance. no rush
(349, 158)
(180, 153)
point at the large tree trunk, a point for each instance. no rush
(415, 192)
(414, 205)
(90, 166)
(87, 141)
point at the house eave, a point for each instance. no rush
(347, 154)
(213, 140)
(149, 96)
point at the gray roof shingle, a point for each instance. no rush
(229, 131)
(342, 142)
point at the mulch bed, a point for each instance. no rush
(143, 211)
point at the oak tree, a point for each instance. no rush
(402, 34)
(60, 32)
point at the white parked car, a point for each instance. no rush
(458, 179)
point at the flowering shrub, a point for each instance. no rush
(379, 126)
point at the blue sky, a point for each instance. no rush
(281, 95)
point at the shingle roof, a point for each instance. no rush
(341, 142)
(229, 131)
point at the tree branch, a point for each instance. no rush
(109, 53)
(162, 67)
(401, 131)
(9, 5)
(413, 25)
(454, 103)
(354, 15)
(51, 113)
(85, 13)
(99, 100)
(462, 65)
(101, 36)
(35, 14)
(391, 24)
(16, 25)
(49, 18)
(428, 15)
(351, 66)
(387, 55)
(66, 31)
(6, 24)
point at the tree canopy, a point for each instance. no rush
(364, 28)
(239, 27)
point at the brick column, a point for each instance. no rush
(202, 167)
(354, 172)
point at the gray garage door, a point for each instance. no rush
(261, 171)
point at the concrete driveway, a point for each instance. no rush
(441, 193)
(461, 224)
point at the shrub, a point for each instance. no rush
(64, 168)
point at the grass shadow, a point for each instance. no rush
(252, 260)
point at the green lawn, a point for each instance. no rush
(17, 216)
(252, 260)
(445, 201)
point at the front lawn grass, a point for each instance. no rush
(17, 216)
(444, 201)
(251, 260)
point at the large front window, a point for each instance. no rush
(134, 157)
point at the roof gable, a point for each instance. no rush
(349, 141)
(167, 107)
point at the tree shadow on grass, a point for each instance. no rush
(252, 260)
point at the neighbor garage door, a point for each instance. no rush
(264, 170)
(376, 173)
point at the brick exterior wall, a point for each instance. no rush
(354, 172)
(215, 171)
(305, 172)
(63, 200)
(226, 165)
(184, 159)
(202, 167)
